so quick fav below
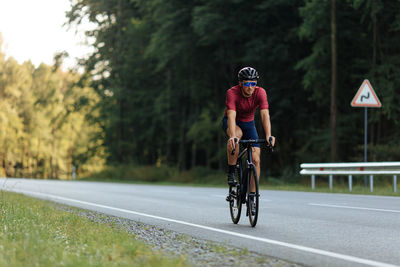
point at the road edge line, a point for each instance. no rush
(260, 239)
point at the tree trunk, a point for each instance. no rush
(52, 157)
(5, 164)
(374, 137)
(168, 118)
(3, 160)
(194, 148)
(182, 141)
(28, 161)
(120, 97)
(37, 160)
(333, 117)
(221, 161)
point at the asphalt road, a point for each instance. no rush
(309, 228)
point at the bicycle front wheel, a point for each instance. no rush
(252, 197)
(235, 199)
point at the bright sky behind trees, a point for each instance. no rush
(34, 30)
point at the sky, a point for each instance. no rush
(33, 30)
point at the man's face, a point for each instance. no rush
(248, 87)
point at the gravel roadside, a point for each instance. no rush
(196, 251)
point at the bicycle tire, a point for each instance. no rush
(252, 217)
(235, 201)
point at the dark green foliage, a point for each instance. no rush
(162, 69)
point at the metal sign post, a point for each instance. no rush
(365, 141)
(365, 133)
(366, 97)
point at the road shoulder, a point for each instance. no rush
(197, 251)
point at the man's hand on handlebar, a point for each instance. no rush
(232, 143)
(271, 142)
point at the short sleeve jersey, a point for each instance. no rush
(245, 106)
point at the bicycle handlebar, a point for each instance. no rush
(256, 141)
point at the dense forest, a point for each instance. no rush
(153, 91)
(47, 121)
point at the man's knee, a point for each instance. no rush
(238, 132)
(256, 156)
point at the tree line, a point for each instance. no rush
(160, 69)
(163, 68)
(48, 121)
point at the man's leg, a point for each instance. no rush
(232, 158)
(256, 151)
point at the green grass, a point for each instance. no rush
(160, 175)
(36, 233)
(204, 177)
(383, 189)
(380, 189)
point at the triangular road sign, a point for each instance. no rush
(366, 97)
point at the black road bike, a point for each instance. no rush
(245, 174)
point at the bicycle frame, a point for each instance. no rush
(241, 193)
(246, 150)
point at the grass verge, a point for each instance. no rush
(161, 175)
(36, 233)
(384, 190)
(205, 177)
(382, 185)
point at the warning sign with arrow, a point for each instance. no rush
(366, 97)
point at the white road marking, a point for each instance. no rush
(367, 196)
(264, 240)
(350, 207)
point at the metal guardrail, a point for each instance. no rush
(350, 169)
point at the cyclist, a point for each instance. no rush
(242, 101)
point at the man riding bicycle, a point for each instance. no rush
(242, 101)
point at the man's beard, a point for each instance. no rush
(246, 94)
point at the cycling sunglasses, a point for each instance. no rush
(247, 84)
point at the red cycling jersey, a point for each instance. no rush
(245, 106)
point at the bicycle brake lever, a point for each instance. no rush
(271, 148)
(233, 150)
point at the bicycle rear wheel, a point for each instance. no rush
(235, 200)
(252, 176)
